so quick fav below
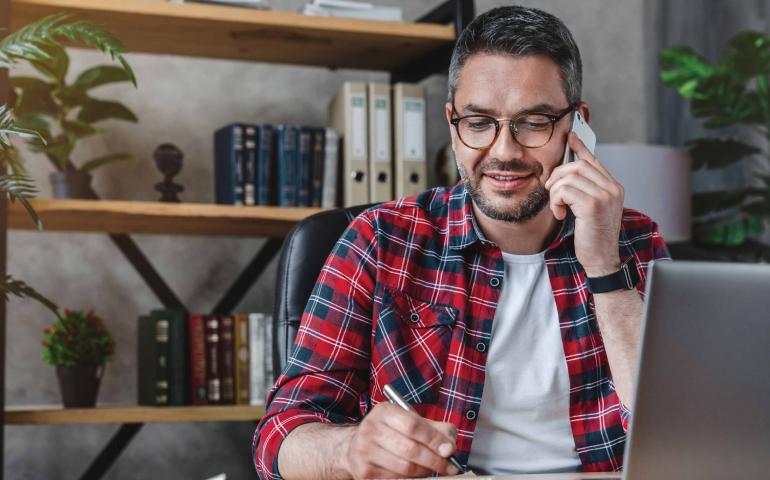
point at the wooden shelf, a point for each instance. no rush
(202, 30)
(53, 415)
(112, 216)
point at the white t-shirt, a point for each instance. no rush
(523, 423)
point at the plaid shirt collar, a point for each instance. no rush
(464, 231)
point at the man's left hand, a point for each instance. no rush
(596, 199)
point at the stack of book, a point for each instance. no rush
(203, 359)
(352, 9)
(373, 151)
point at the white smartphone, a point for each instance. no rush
(584, 133)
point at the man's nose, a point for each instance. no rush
(506, 146)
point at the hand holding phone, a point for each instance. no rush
(584, 133)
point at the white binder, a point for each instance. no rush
(380, 158)
(348, 115)
(410, 164)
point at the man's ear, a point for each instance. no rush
(452, 132)
(585, 110)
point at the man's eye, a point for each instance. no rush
(480, 124)
(534, 123)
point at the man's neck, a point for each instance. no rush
(520, 238)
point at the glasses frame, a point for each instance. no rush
(553, 118)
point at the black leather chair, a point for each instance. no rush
(303, 254)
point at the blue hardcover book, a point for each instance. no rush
(229, 164)
(250, 142)
(304, 165)
(286, 165)
(266, 134)
(317, 166)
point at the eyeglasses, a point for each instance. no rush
(530, 129)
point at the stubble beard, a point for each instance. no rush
(522, 211)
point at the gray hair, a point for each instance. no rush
(520, 31)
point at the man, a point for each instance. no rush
(473, 302)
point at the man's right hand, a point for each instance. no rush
(393, 443)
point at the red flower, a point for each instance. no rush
(46, 344)
(47, 330)
(72, 328)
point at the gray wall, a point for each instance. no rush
(182, 100)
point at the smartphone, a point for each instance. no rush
(584, 133)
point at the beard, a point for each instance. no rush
(520, 211)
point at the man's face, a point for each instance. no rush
(506, 181)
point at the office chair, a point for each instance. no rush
(303, 254)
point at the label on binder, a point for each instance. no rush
(414, 129)
(358, 120)
(382, 129)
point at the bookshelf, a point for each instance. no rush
(408, 51)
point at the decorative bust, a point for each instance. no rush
(169, 159)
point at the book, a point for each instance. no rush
(148, 371)
(266, 139)
(348, 115)
(285, 165)
(267, 359)
(213, 379)
(197, 333)
(227, 357)
(229, 165)
(317, 166)
(161, 361)
(178, 353)
(250, 139)
(331, 170)
(257, 358)
(410, 163)
(380, 160)
(242, 382)
(304, 165)
(349, 9)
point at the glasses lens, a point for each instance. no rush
(477, 131)
(533, 130)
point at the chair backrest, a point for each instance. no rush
(303, 254)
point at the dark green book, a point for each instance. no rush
(178, 355)
(152, 361)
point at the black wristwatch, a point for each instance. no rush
(624, 279)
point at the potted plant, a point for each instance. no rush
(732, 93)
(79, 345)
(29, 43)
(65, 112)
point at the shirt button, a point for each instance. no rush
(494, 281)
(470, 414)
(414, 318)
(481, 346)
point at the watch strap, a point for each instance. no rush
(624, 279)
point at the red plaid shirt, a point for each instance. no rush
(407, 297)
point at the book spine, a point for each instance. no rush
(242, 359)
(146, 360)
(317, 166)
(256, 358)
(228, 165)
(265, 165)
(267, 360)
(179, 381)
(197, 362)
(330, 195)
(161, 361)
(227, 358)
(304, 166)
(213, 381)
(286, 166)
(250, 165)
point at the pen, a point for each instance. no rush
(394, 397)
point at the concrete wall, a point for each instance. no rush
(183, 100)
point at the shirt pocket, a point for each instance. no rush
(411, 346)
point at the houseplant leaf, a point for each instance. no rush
(34, 97)
(79, 129)
(56, 65)
(26, 42)
(94, 110)
(708, 202)
(20, 187)
(100, 75)
(685, 69)
(9, 285)
(718, 152)
(104, 160)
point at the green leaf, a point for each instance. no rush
(79, 129)
(718, 152)
(20, 187)
(37, 124)
(60, 148)
(9, 285)
(97, 110)
(708, 202)
(34, 97)
(685, 69)
(26, 42)
(55, 66)
(104, 160)
(10, 156)
(100, 75)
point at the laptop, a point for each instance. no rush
(702, 408)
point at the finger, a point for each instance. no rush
(583, 153)
(565, 196)
(406, 457)
(585, 169)
(584, 184)
(415, 452)
(418, 429)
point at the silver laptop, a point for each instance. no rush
(702, 408)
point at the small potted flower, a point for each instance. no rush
(79, 345)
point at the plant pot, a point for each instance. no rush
(79, 385)
(71, 184)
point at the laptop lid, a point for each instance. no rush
(702, 407)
